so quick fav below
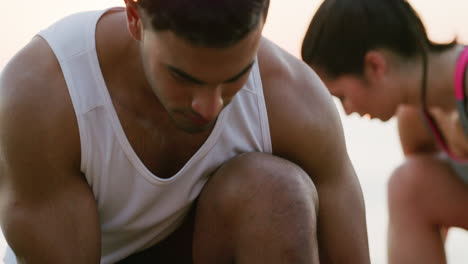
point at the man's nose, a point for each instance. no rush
(208, 102)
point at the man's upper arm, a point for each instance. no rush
(414, 134)
(306, 129)
(304, 121)
(48, 213)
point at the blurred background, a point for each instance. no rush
(372, 145)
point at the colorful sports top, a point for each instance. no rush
(460, 96)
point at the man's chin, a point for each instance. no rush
(193, 129)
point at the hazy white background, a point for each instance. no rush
(372, 145)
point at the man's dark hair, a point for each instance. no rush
(211, 23)
(343, 31)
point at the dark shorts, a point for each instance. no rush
(177, 248)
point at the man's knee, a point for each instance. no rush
(256, 199)
(259, 179)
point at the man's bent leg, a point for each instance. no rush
(257, 208)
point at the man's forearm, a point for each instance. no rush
(342, 230)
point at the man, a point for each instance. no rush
(172, 132)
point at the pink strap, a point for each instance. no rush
(439, 137)
(460, 75)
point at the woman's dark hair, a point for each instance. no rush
(343, 31)
(211, 23)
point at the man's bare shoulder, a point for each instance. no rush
(35, 108)
(277, 64)
(32, 74)
(296, 98)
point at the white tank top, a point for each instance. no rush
(136, 208)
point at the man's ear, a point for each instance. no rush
(375, 66)
(134, 21)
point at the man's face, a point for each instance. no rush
(195, 83)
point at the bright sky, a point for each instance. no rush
(373, 146)
(286, 24)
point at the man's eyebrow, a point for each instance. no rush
(244, 71)
(184, 75)
(195, 80)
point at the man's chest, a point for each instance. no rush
(163, 150)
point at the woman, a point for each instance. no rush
(375, 56)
